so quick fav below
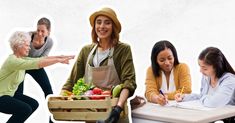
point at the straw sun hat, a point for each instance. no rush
(106, 12)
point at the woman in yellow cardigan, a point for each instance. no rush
(166, 76)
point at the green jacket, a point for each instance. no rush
(12, 73)
(123, 62)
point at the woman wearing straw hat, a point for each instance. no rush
(109, 58)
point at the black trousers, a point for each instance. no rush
(20, 106)
(40, 76)
(229, 120)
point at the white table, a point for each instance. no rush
(150, 113)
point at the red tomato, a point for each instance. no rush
(97, 91)
(106, 93)
(97, 97)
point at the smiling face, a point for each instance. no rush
(42, 31)
(165, 60)
(103, 27)
(22, 50)
(206, 69)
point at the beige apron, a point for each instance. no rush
(103, 76)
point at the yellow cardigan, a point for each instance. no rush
(181, 77)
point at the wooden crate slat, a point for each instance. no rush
(80, 115)
(83, 110)
(78, 104)
(114, 101)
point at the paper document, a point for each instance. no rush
(194, 105)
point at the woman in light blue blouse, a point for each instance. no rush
(218, 80)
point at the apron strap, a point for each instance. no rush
(89, 56)
(88, 79)
(110, 57)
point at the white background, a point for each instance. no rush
(191, 25)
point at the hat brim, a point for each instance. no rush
(113, 18)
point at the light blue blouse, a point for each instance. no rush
(223, 95)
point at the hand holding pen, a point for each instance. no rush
(179, 96)
(162, 98)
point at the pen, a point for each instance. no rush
(161, 93)
(182, 90)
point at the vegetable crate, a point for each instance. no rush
(70, 108)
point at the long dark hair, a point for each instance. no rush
(157, 48)
(213, 56)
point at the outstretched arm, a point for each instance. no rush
(50, 60)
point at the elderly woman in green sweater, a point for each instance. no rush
(106, 62)
(12, 74)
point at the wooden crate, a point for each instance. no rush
(69, 109)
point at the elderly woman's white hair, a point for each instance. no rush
(18, 38)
